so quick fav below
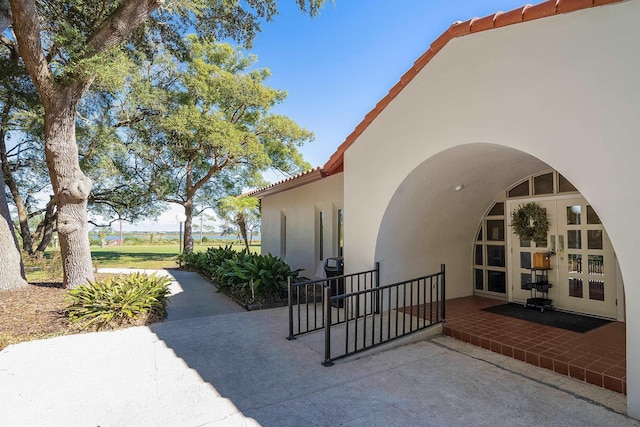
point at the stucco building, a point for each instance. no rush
(540, 104)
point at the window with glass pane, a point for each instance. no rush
(479, 279)
(574, 263)
(495, 256)
(283, 234)
(596, 290)
(479, 257)
(520, 190)
(594, 239)
(479, 239)
(321, 236)
(495, 229)
(574, 239)
(340, 232)
(592, 216)
(543, 184)
(564, 186)
(542, 244)
(573, 215)
(525, 259)
(575, 287)
(596, 264)
(525, 279)
(525, 243)
(496, 281)
(497, 210)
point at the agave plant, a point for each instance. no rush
(118, 300)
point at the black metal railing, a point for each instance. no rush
(307, 299)
(380, 314)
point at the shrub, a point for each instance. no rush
(133, 299)
(190, 260)
(264, 276)
(247, 275)
(134, 240)
(207, 263)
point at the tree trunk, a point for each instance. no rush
(23, 217)
(11, 267)
(242, 225)
(188, 226)
(44, 232)
(70, 187)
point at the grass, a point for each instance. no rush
(146, 256)
(152, 257)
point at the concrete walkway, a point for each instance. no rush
(191, 295)
(237, 368)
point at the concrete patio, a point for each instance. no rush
(225, 366)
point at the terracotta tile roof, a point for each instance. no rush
(289, 183)
(459, 29)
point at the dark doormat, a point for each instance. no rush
(557, 319)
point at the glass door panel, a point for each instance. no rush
(586, 274)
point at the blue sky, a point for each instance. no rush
(336, 66)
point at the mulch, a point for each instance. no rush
(37, 311)
(33, 312)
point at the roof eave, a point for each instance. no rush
(288, 184)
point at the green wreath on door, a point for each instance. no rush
(530, 222)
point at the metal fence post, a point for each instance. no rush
(442, 270)
(377, 285)
(290, 300)
(327, 327)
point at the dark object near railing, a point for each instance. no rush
(334, 267)
(366, 315)
(307, 298)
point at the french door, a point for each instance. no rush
(583, 267)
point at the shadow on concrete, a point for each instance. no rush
(245, 358)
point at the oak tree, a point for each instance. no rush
(213, 129)
(66, 46)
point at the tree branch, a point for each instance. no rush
(27, 30)
(120, 25)
(176, 201)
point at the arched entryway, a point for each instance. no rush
(434, 217)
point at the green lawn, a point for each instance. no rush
(155, 256)
(146, 256)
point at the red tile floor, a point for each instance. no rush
(597, 356)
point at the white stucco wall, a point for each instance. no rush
(428, 222)
(564, 90)
(302, 206)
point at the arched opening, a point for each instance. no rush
(454, 208)
(433, 215)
